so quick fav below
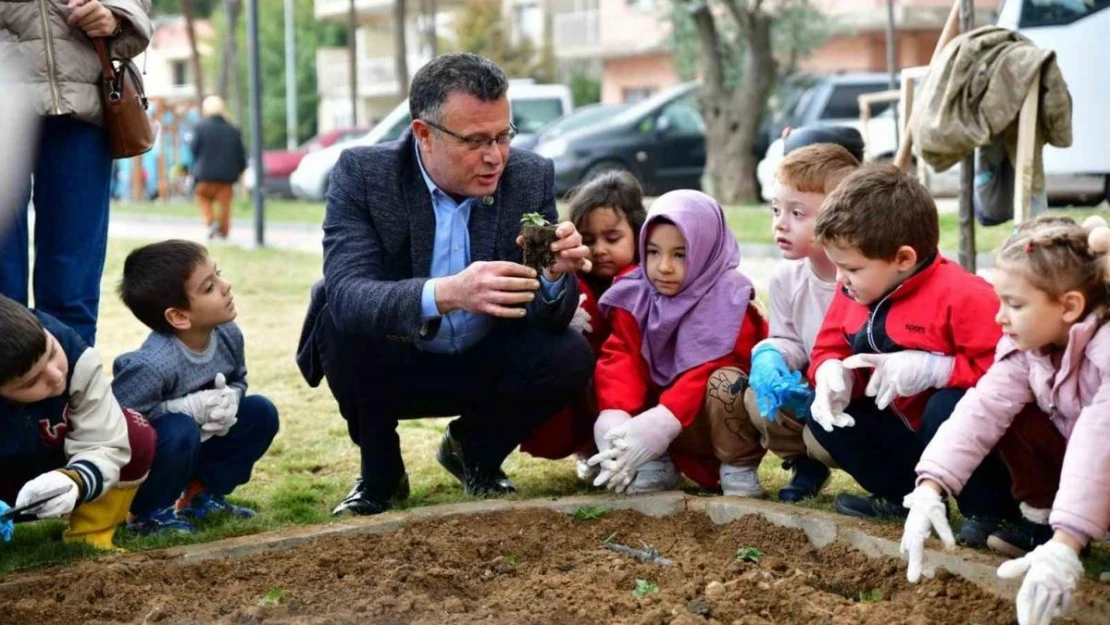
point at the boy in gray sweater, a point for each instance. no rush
(189, 378)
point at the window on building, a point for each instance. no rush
(180, 73)
(635, 94)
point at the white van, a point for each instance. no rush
(533, 107)
(1077, 31)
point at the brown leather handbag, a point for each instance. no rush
(131, 131)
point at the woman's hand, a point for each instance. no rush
(92, 17)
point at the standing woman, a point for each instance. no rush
(71, 172)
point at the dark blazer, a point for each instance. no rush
(379, 232)
(218, 154)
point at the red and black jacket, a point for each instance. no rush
(941, 309)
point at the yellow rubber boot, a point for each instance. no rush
(95, 522)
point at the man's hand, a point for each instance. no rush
(902, 374)
(928, 513)
(833, 393)
(497, 288)
(92, 17)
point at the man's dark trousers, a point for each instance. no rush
(881, 453)
(504, 386)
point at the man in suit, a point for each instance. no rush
(425, 309)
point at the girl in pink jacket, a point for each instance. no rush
(1045, 406)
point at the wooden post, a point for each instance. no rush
(1026, 152)
(967, 171)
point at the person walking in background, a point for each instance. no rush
(72, 169)
(218, 160)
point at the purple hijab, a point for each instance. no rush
(701, 322)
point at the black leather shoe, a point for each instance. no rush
(476, 482)
(360, 503)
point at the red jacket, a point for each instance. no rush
(599, 325)
(941, 309)
(623, 382)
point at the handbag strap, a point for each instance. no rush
(105, 62)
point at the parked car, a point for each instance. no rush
(278, 165)
(661, 140)
(582, 117)
(533, 107)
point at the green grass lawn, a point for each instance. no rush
(280, 211)
(312, 462)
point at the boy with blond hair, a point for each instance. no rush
(905, 337)
(801, 289)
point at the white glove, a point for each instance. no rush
(927, 513)
(1051, 573)
(636, 441)
(606, 422)
(223, 413)
(196, 405)
(41, 487)
(581, 319)
(902, 374)
(832, 394)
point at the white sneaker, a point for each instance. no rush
(740, 481)
(655, 476)
(586, 473)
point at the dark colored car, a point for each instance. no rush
(661, 140)
(582, 117)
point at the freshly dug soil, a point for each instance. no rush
(516, 567)
(537, 246)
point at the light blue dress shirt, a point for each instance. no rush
(459, 329)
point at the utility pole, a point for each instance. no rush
(291, 139)
(352, 59)
(255, 79)
(967, 170)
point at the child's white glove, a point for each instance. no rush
(832, 394)
(42, 486)
(196, 405)
(581, 319)
(927, 513)
(224, 412)
(902, 374)
(636, 441)
(1051, 573)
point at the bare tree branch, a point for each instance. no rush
(738, 13)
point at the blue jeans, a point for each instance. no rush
(881, 453)
(72, 178)
(221, 463)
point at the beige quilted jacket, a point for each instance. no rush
(57, 62)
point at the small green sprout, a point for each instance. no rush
(273, 596)
(871, 596)
(590, 513)
(533, 219)
(644, 587)
(749, 554)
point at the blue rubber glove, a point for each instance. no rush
(769, 372)
(798, 397)
(7, 527)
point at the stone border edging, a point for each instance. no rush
(822, 528)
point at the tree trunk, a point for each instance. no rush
(431, 8)
(234, 12)
(732, 116)
(400, 49)
(187, 12)
(352, 59)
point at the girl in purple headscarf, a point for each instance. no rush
(681, 324)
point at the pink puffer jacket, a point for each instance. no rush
(1076, 396)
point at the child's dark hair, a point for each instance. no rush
(154, 278)
(22, 341)
(878, 209)
(1058, 255)
(618, 190)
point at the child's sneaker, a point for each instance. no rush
(205, 504)
(740, 481)
(869, 507)
(655, 476)
(164, 520)
(1105, 575)
(808, 480)
(976, 530)
(1019, 538)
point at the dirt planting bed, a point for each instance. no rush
(525, 566)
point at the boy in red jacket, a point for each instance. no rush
(908, 333)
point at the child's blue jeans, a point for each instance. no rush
(221, 463)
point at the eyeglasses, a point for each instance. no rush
(475, 143)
